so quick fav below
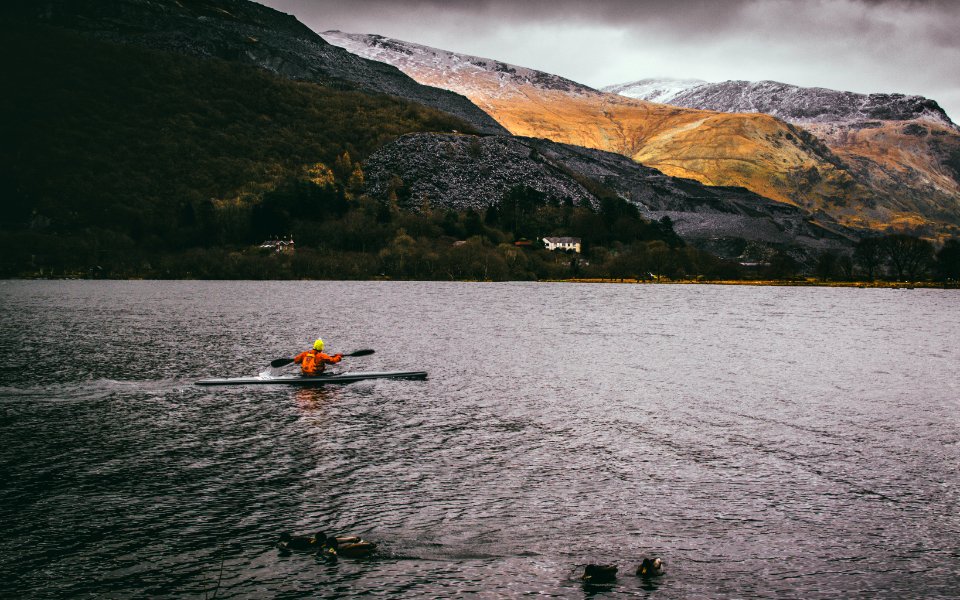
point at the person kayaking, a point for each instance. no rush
(313, 362)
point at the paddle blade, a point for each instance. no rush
(279, 362)
(360, 353)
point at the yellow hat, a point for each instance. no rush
(318, 345)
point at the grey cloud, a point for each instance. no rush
(907, 46)
(710, 14)
(696, 20)
(608, 12)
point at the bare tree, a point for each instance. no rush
(827, 265)
(869, 256)
(909, 256)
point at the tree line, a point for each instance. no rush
(892, 257)
(342, 233)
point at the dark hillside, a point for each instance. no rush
(110, 146)
(243, 32)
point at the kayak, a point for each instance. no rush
(317, 379)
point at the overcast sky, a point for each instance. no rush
(905, 46)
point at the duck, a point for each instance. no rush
(650, 567)
(312, 543)
(299, 543)
(593, 574)
(349, 546)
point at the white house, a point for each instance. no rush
(562, 243)
(280, 246)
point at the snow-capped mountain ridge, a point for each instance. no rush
(497, 78)
(789, 102)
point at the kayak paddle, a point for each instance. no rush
(281, 362)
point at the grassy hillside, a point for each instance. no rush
(113, 148)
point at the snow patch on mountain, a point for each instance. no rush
(660, 90)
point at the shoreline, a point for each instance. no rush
(903, 285)
(778, 283)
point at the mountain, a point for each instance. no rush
(113, 152)
(855, 159)
(905, 147)
(755, 151)
(161, 153)
(244, 32)
(470, 172)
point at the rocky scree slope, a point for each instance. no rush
(246, 32)
(905, 148)
(759, 152)
(463, 171)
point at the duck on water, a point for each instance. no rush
(327, 547)
(594, 574)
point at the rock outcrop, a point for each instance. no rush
(462, 171)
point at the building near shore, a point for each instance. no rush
(562, 243)
(280, 246)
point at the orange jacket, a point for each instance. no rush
(313, 362)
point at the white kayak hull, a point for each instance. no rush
(299, 380)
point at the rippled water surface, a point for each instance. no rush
(765, 442)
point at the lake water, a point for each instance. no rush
(763, 441)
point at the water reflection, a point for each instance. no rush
(650, 585)
(591, 590)
(311, 399)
